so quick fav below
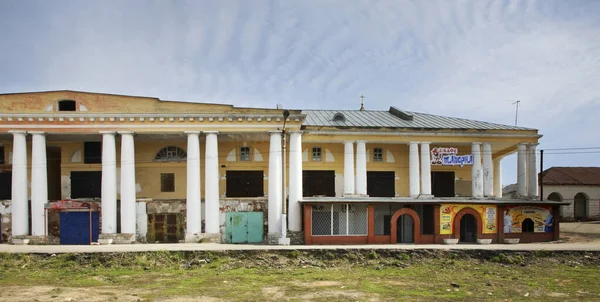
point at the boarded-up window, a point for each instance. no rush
(92, 152)
(86, 184)
(381, 183)
(318, 183)
(1, 155)
(245, 184)
(5, 185)
(167, 182)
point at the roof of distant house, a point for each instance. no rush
(572, 176)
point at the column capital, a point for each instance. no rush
(533, 144)
(296, 131)
(476, 143)
(107, 132)
(125, 132)
(413, 143)
(486, 143)
(211, 132)
(18, 132)
(271, 132)
(349, 142)
(192, 132)
(36, 132)
(425, 143)
(362, 141)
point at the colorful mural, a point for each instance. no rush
(543, 220)
(449, 211)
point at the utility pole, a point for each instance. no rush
(517, 113)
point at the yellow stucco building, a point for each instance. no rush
(78, 167)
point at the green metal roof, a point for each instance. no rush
(395, 118)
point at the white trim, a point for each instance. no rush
(423, 133)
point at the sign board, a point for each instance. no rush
(441, 156)
(541, 216)
(488, 215)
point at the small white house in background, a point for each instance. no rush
(580, 186)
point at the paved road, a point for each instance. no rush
(53, 249)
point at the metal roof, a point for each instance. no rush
(395, 118)
(572, 176)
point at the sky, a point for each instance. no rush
(469, 59)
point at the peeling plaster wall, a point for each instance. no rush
(5, 225)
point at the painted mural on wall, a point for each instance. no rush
(543, 220)
(488, 215)
(441, 156)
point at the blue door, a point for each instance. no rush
(75, 227)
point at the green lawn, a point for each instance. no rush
(301, 276)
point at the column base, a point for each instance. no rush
(27, 239)
(355, 195)
(273, 238)
(423, 196)
(283, 241)
(193, 238)
(296, 238)
(121, 238)
(211, 237)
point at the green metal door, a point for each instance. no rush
(244, 227)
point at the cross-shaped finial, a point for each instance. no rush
(362, 104)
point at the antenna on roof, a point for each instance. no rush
(362, 104)
(516, 113)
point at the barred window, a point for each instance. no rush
(316, 154)
(339, 220)
(377, 155)
(245, 154)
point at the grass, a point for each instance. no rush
(320, 276)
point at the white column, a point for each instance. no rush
(193, 204)
(211, 188)
(413, 169)
(521, 170)
(476, 172)
(349, 168)
(275, 183)
(532, 183)
(425, 169)
(39, 183)
(361, 167)
(128, 194)
(498, 178)
(295, 182)
(20, 196)
(488, 170)
(109, 183)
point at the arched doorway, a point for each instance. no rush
(557, 197)
(405, 227)
(403, 221)
(468, 229)
(580, 203)
(527, 226)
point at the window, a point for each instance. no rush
(86, 184)
(318, 183)
(377, 155)
(339, 219)
(67, 105)
(171, 153)
(316, 154)
(167, 182)
(527, 226)
(245, 184)
(1, 155)
(5, 185)
(245, 154)
(381, 183)
(339, 117)
(92, 152)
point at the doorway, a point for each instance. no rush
(442, 184)
(580, 207)
(468, 229)
(405, 229)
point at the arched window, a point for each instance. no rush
(555, 197)
(528, 226)
(339, 117)
(171, 153)
(67, 105)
